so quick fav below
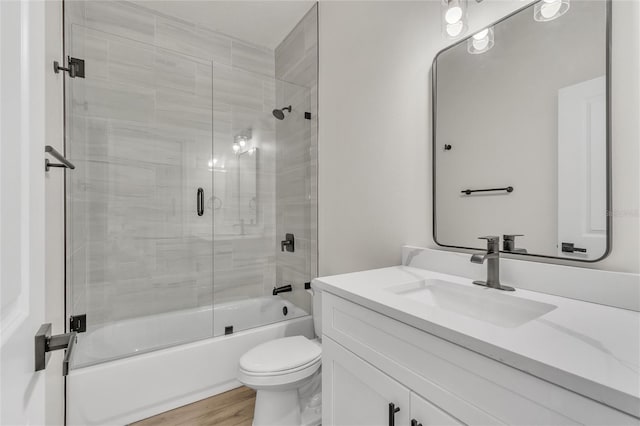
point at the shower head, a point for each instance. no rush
(279, 113)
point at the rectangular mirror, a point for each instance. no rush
(521, 133)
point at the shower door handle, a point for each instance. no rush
(200, 202)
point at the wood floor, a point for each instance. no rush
(233, 408)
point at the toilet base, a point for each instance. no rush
(277, 408)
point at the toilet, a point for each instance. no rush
(285, 373)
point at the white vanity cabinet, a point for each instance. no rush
(363, 395)
(371, 361)
(360, 393)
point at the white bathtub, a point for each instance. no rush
(153, 381)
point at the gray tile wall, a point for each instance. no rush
(161, 97)
(296, 68)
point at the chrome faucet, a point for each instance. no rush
(492, 255)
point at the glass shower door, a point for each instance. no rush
(139, 226)
(296, 192)
(262, 190)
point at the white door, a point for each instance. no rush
(356, 393)
(23, 67)
(582, 182)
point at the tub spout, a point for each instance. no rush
(283, 289)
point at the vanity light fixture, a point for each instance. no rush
(481, 41)
(548, 10)
(454, 18)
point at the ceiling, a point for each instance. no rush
(265, 23)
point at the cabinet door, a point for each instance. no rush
(356, 393)
(426, 414)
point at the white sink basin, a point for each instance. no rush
(480, 303)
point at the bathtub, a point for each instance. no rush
(144, 381)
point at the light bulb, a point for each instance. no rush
(481, 41)
(454, 30)
(242, 142)
(454, 18)
(236, 147)
(481, 34)
(550, 8)
(453, 15)
(481, 44)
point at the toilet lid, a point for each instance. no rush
(280, 355)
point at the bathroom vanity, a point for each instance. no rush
(410, 346)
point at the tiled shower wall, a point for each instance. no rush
(296, 62)
(140, 127)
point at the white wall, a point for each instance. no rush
(374, 129)
(373, 143)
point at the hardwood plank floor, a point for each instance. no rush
(232, 408)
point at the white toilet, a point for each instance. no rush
(285, 373)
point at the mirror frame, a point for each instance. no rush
(608, 196)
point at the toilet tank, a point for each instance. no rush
(317, 310)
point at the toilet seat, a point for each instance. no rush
(280, 355)
(281, 362)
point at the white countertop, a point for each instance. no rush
(591, 349)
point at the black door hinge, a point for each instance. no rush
(78, 323)
(75, 67)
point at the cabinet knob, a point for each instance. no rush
(392, 413)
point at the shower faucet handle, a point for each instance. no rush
(288, 243)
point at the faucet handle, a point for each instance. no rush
(288, 243)
(490, 238)
(493, 243)
(509, 243)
